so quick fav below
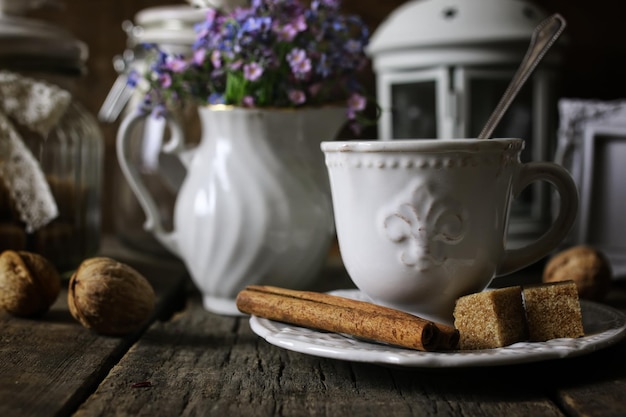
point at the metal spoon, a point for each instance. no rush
(544, 35)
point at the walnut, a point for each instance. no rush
(586, 266)
(29, 283)
(110, 297)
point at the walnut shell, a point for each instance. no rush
(110, 297)
(586, 266)
(29, 283)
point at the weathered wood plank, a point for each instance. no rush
(50, 365)
(200, 363)
(597, 385)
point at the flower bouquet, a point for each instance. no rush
(273, 53)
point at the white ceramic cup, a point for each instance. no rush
(423, 222)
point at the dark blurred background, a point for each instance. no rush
(594, 61)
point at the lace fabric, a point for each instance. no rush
(38, 106)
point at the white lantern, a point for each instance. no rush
(442, 66)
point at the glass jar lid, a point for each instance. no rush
(27, 44)
(168, 24)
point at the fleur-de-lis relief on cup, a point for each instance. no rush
(421, 225)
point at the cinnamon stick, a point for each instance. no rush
(343, 315)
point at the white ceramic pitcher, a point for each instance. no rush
(255, 205)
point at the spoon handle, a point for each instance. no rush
(544, 35)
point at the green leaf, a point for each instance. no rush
(235, 88)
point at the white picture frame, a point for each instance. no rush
(592, 146)
(602, 220)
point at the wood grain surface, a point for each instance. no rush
(48, 366)
(190, 362)
(202, 364)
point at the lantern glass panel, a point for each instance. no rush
(517, 122)
(414, 111)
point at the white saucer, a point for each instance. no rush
(603, 326)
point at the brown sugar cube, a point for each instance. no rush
(553, 311)
(586, 266)
(491, 319)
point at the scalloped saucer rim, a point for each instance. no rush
(604, 326)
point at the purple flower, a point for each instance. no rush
(299, 23)
(165, 80)
(290, 30)
(146, 105)
(133, 78)
(199, 56)
(216, 58)
(356, 103)
(297, 96)
(216, 98)
(272, 53)
(296, 56)
(354, 46)
(247, 101)
(314, 89)
(202, 29)
(324, 67)
(252, 71)
(176, 64)
(235, 65)
(254, 24)
(286, 33)
(299, 63)
(159, 111)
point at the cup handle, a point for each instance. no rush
(516, 259)
(146, 200)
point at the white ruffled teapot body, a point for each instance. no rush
(255, 206)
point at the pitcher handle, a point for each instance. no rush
(173, 145)
(516, 259)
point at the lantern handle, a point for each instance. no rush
(544, 35)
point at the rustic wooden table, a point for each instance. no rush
(189, 362)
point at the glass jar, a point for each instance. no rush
(69, 156)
